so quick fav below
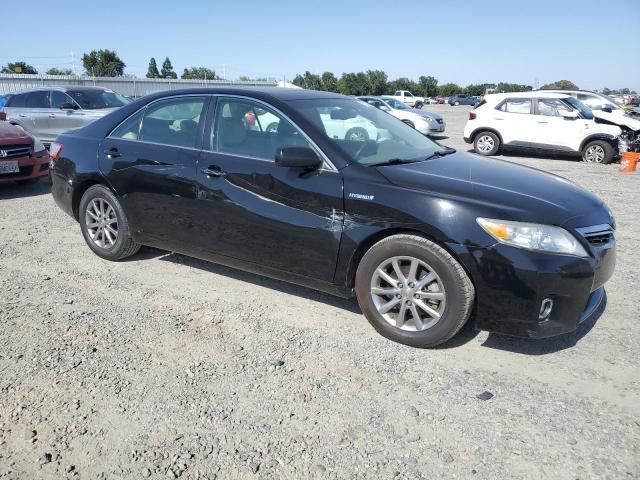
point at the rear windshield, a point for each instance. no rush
(95, 99)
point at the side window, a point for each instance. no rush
(516, 105)
(38, 99)
(58, 99)
(397, 93)
(246, 128)
(17, 101)
(130, 128)
(552, 107)
(407, 94)
(591, 101)
(173, 121)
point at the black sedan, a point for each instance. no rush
(422, 235)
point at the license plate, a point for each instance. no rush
(10, 166)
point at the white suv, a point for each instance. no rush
(543, 121)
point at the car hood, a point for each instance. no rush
(502, 189)
(11, 135)
(618, 117)
(421, 112)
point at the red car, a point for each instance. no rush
(23, 159)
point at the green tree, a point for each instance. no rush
(58, 71)
(560, 85)
(103, 63)
(200, 73)
(329, 82)
(19, 67)
(428, 86)
(298, 81)
(167, 69)
(503, 87)
(312, 81)
(152, 70)
(244, 78)
(449, 89)
(403, 83)
(376, 82)
(353, 84)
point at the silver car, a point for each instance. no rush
(47, 112)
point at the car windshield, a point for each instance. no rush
(581, 107)
(95, 99)
(397, 104)
(366, 134)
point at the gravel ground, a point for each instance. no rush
(165, 366)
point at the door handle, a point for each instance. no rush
(112, 153)
(52, 115)
(213, 172)
(542, 122)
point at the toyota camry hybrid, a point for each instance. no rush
(425, 237)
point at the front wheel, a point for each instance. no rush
(486, 143)
(412, 291)
(104, 224)
(598, 151)
(419, 105)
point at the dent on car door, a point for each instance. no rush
(257, 212)
(150, 159)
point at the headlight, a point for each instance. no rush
(532, 236)
(38, 146)
(427, 118)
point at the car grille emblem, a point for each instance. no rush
(3, 154)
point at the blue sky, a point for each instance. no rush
(590, 42)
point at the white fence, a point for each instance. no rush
(133, 87)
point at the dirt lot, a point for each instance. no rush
(165, 367)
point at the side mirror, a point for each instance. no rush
(606, 108)
(298, 157)
(384, 108)
(67, 106)
(572, 115)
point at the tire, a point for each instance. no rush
(419, 105)
(357, 134)
(486, 143)
(598, 151)
(107, 245)
(409, 122)
(449, 281)
(457, 104)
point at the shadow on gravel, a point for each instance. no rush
(534, 154)
(14, 190)
(243, 276)
(549, 345)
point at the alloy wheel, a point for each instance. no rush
(102, 223)
(408, 293)
(485, 144)
(594, 154)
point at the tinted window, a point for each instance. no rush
(92, 99)
(58, 99)
(130, 128)
(516, 105)
(407, 94)
(246, 128)
(18, 101)
(552, 107)
(38, 100)
(173, 121)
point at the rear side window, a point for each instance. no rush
(60, 99)
(515, 105)
(174, 121)
(17, 101)
(38, 100)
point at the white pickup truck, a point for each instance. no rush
(407, 98)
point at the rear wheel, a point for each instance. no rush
(598, 151)
(486, 143)
(413, 291)
(104, 224)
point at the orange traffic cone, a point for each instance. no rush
(629, 162)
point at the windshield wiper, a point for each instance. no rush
(392, 161)
(441, 153)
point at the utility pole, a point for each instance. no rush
(73, 63)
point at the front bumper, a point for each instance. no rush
(31, 167)
(512, 283)
(430, 128)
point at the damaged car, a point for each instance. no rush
(426, 238)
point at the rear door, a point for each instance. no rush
(515, 121)
(252, 210)
(151, 160)
(31, 110)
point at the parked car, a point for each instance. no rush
(23, 159)
(462, 99)
(422, 235)
(408, 98)
(3, 100)
(426, 122)
(47, 112)
(440, 100)
(543, 121)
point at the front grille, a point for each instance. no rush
(8, 151)
(598, 235)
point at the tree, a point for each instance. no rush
(353, 84)
(19, 67)
(244, 78)
(103, 63)
(329, 82)
(199, 73)
(376, 82)
(428, 86)
(57, 71)
(152, 70)
(167, 69)
(560, 85)
(403, 83)
(298, 81)
(503, 87)
(449, 89)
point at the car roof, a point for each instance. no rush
(530, 94)
(282, 94)
(59, 89)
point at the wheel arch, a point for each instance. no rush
(599, 136)
(479, 130)
(82, 187)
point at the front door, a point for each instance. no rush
(257, 212)
(65, 114)
(151, 160)
(515, 121)
(555, 127)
